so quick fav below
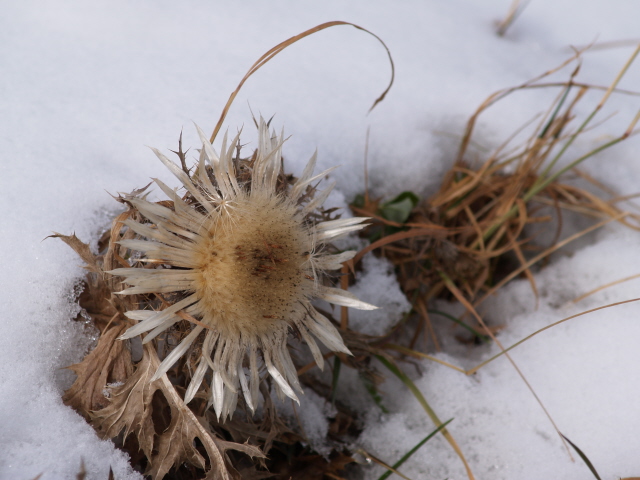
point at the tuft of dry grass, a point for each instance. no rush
(474, 232)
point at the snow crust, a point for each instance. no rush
(88, 84)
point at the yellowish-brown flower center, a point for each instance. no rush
(252, 265)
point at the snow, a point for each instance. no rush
(88, 84)
(311, 416)
(378, 277)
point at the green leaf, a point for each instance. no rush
(358, 201)
(404, 195)
(407, 455)
(399, 209)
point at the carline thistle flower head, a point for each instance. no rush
(244, 258)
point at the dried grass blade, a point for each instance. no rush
(185, 316)
(435, 231)
(603, 287)
(422, 309)
(309, 366)
(518, 251)
(516, 8)
(427, 408)
(476, 227)
(382, 464)
(505, 92)
(454, 290)
(479, 366)
(471, 180)
(546, 253)
(584, 124)
(417, 354)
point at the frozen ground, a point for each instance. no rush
(86, 85)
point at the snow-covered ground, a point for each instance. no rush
(86, 85)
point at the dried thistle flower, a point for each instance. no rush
(244, 258)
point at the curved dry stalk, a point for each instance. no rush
(544, 254)
(493, 98)
(417, 354)
(546, 178)
(280, 47)
(604, 287)
(453, 289)
(479, 366)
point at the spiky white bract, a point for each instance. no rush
(244, 258)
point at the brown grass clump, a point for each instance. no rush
(474, 234)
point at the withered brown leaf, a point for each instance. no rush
(110, 361)
(82, 249)
(131, 409)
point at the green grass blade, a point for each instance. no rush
(583, 457)
(377, 398)
(407, 455)
(483, 338)
(556, 111)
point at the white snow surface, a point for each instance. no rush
(86, 85)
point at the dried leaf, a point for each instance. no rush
(130, 409)
(245, 448)
(188, 427)
(250, 473)
(81, 249)
(109, 362)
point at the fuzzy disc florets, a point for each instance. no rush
(252, 265)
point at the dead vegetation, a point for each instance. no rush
(149, 418)
(462, 244)
(475, 234)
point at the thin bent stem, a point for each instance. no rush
(458, 294)
(280, 47)
(520, 342)
(417, 354)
